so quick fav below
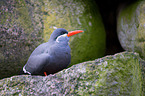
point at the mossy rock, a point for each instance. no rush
(20, 34)
(121, 74)
(131, 28)
(25, 24)
(77, 15)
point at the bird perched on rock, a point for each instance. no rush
(52, 56)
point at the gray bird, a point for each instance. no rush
(52, 56)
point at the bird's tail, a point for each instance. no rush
(22, 72)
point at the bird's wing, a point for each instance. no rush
(35, 63)
(40, 49)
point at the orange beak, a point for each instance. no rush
(74, 32)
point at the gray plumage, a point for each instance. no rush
(50, 57)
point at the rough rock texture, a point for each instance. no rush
(118, 75)
(77, 15)
(20, 32)
(24, 24)
(131, 28)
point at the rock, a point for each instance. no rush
(25, 24)
(131, 28)
(20, 33)
(77, 15)
(117, 75)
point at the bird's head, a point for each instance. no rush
(60, 34)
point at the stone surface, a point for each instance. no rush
(117, 75)
(24, 24)
(21, 29)
(131, 28)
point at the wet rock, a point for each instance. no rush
(117, 75)
(131, 28)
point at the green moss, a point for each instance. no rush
(91, 45)
(128, 12)
(19, 36)
(140, 37)
(120, 75)
(131, 28)
(14, 18)
(117, 75)
(83, 15)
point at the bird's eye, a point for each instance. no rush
(63, 33)
(60, 34)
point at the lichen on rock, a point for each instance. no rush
(120, 75)
(77, 15)
(131, 27)
(20, 34)
(25, 24)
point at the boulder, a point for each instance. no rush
(131, 27)
(121, 74)
(21, 29)
(25, 24)
(77, 15)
